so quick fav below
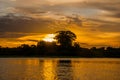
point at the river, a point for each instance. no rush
(59, 69)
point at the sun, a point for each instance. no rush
(49, 38)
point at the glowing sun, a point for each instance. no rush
(49, 38)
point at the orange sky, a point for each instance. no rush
(96, 23)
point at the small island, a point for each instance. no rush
(63, 45)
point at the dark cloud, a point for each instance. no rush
(105, 26)
(74, 20)
(23, 24)
(102, 21)
(12, 23)
(111, 7)
(109, 28)
(11, 35)
(32, 40)
(30, 10)
(116, 15)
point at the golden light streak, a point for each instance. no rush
(48, 70)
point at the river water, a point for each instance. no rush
(59, 69)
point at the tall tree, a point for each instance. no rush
(65, 38)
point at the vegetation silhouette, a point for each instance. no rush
(65, 38)
(64, 46)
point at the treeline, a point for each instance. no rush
(51, 49)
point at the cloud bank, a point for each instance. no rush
(95, 22)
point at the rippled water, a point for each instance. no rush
(59, 69)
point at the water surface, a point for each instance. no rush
(59, 69)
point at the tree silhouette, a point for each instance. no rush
(41, 44)
(65, 38)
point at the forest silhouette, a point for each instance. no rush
(64, 46)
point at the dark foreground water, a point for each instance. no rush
(59, 69)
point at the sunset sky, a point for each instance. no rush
(95, 22)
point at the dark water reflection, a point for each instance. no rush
(64, 70)
(59, 69)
